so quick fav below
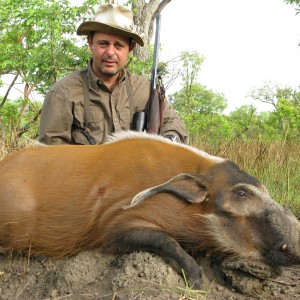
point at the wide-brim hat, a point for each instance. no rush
(114, 19)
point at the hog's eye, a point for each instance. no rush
(241, 193)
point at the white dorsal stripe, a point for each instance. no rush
(126, 135)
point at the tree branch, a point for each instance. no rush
(8, 90)
(161, 6)
(25, 128)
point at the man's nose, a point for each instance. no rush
(110, 50)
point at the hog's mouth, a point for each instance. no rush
(283, 256)
(286, 252)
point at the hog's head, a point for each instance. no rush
(237, 216)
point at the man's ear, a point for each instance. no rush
(89, 40)
(131, 45)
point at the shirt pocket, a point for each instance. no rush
(96, 119)
(124, 117)
(95, 116)
(96, 126)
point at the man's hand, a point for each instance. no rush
(173, 138)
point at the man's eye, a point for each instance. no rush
(119, 46)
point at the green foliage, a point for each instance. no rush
(38, 42)
(198, 100)
(141, 67)
(201, 110)
(296, 3)
(18, 122)
(288, 112)
(199, 107)
(191, 66)
(284, 121)
(246, 122)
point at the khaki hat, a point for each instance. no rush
(112, 18)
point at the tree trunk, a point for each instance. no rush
(144, 17)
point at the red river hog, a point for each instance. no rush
(141, 192)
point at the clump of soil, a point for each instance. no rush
(139, 275)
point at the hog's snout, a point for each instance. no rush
(286, 232)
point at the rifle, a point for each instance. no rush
(157, 92)
(156, 103)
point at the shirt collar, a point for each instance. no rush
(95, 82)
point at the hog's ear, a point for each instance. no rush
(185, 186)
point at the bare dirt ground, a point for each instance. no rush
(139, 275)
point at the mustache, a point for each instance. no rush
(110, 58)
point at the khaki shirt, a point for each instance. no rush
(109, 111)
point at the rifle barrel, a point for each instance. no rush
(155, 52)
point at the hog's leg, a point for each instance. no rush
(161, 244)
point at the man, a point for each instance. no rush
(88, 105)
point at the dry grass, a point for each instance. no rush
(275, 163)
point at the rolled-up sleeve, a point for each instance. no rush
(173, 125)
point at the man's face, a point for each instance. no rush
(110, 53)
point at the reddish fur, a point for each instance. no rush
(60, 200)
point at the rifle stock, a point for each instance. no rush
(154, 122)
(157, 94)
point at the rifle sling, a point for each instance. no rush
(130, 95)
(86, 98)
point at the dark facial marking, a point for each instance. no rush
(230, 173)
